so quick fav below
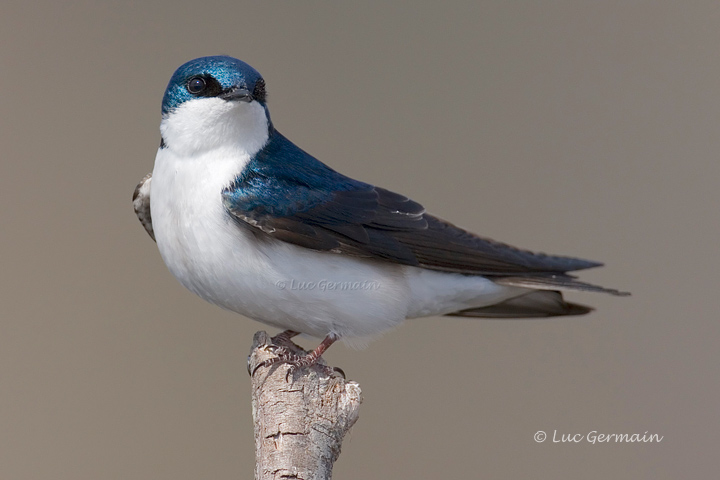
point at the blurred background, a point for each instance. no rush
(572, 127)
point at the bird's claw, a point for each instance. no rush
(297, 362)
(282, 347)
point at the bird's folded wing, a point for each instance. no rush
(306, 203)
(141, 204)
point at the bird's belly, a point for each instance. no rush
(289, 287)
(271, 281)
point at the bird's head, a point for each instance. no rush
(214, 102)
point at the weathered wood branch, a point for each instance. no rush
(300, 421)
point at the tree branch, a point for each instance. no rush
(299, 422)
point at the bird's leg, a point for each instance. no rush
(312, 357)
(299, 361)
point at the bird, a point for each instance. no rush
(250, 222)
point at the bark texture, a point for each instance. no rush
(300, 421)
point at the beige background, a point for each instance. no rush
(582, 128)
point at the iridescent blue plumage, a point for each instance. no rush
(282, 180)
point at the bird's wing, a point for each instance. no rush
(141, 204)
(288, 195)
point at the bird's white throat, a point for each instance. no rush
(205, 124)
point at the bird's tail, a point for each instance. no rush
(536, 304)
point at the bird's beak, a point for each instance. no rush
(237, 94)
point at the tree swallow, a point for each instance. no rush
(248, 221)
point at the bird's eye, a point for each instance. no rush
(196, 85)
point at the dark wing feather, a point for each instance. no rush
(443, 246)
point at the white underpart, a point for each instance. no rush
(209, 142)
